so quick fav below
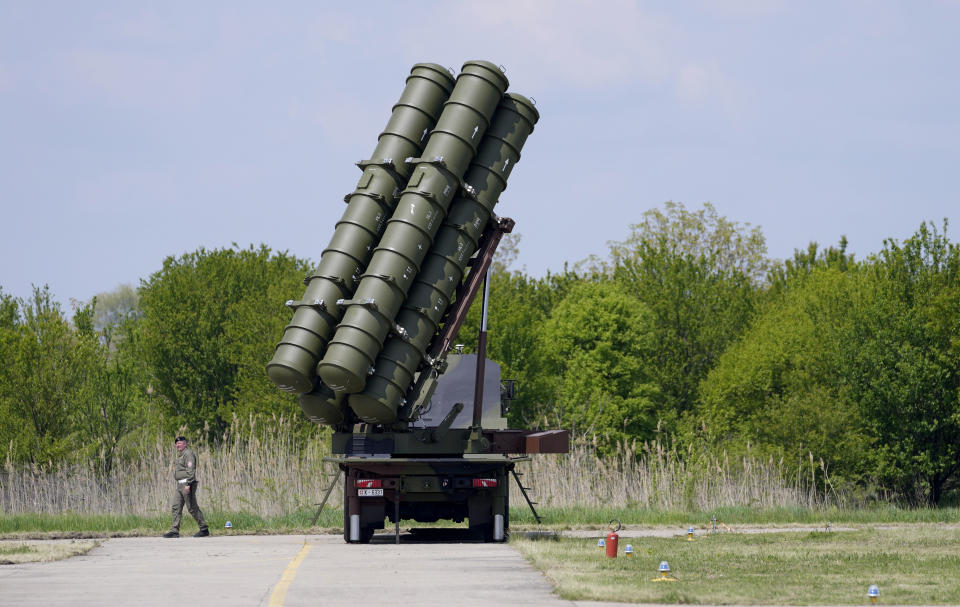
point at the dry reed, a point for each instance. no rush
(658, 478)
(262, 468)
(257, 466)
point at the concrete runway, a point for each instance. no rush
(279, 570)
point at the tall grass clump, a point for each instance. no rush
(257, 466)
(261, 467)
(654, 476)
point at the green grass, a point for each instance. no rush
(94, 525)
(599, 517)
(520, 518)
(915, 564)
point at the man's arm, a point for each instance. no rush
(190, 463)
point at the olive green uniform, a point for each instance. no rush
(185, 473)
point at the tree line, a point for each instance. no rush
(685, 330)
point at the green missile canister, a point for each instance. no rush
(317, 313)
(409, 234)
(323, 405)
(445, 265)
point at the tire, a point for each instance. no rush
(346, 514)
(366, 534)
(506, 521)
(366, 531)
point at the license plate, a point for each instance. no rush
(369, 492)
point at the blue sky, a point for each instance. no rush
(131, 131)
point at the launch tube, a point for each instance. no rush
(317, 313)
(323, 405)
(445, 264)
(435, 180)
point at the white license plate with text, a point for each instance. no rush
(369, 492)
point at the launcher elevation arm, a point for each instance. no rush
(456, 314)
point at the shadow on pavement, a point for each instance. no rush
(429, 536)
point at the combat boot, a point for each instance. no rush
(202, 533)
(171, 534)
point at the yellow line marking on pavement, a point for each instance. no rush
(280, 592)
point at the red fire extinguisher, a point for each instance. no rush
(613, 538)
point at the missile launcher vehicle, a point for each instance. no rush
(420, 432)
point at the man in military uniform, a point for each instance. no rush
(185, 473)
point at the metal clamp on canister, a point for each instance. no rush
(375, 195)
(316, 304)
(387, 278)
(435, 161)
(401, 332)
(468, 191)
(460, 227)
(431, 196)
(386, 163)
(366, 303)
(337, 280)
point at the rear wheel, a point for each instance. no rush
(486, 532)
(366, 531)
(506, 521)
(366, 534)
(346, 513)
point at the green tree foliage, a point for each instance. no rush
(113, 308)
(791, 272)
(857, 363)
(699, 274)
(905, 370)
(520, 307)
(211, 321)
(850, 367)
(779, 388)
(507, 253)
(65, 393)
(9, 310)
(9, 343)
(36, 378)
(594, 345)
(111, 386)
